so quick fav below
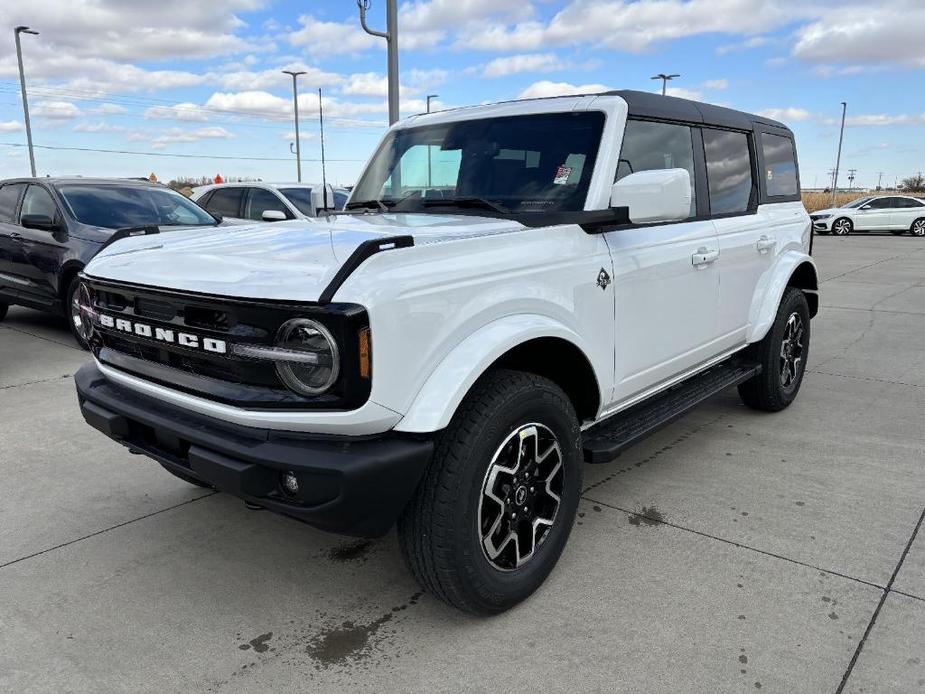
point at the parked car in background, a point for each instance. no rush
(894, 213)
(268, 202)
(50, 228)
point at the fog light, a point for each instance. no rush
(290, 483)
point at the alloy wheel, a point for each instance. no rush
(918, 227)
(76, 317)
(520, 496)
(791, 351)
(842, 227)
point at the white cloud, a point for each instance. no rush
(684, 93)
(747, 44)
(246, 80)
(180, 135)
(183, 112)
(716, 85)
(99, 127)
(796, 114)
(528, 62)
(108, 110)
(303, 136)
(322, 39)
(10, 126)
(546, 88)
(55, 110)
(790, 113)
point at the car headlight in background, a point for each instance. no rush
(817, 217)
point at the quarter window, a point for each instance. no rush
(9, 196)
(780, 168)
(729, 171)
(648, 146)
(225, 202)
(38, 201)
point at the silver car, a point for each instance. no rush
(894, 213)
(268, 202)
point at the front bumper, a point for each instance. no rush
(354, 486)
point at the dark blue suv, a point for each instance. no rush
(50, 228)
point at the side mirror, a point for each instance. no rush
(39, 221)
(273, 216)
(663, 195)
(865, 207)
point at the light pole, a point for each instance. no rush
(25, 101)
(429, 97)
(391, 38)
(295, 108)
(429, 175)
(665, 79)
(841, 135)
(324, 175)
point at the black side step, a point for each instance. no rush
(605, 441)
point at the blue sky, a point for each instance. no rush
(202, 80)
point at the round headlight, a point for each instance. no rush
(318, 370)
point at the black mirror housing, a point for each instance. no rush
(39, 221)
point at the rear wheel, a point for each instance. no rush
(842, 226)
(496, 505)
(918, 227)
(74, 319)
(782, 355)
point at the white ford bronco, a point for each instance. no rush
(513, 290)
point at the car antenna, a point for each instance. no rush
(324, 178)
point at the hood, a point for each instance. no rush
(286, 261)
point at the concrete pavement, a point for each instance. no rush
(733, 551)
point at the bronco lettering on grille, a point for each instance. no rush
(190, 340)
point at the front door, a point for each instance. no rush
(875, 215)
(666, 276)
(43, 251)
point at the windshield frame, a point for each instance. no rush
(64, 189)
(416, 202)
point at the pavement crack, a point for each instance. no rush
(864, 267)
(42, 337)
(32, 383)
(865, 378)
(105, 530)
(661, 521)
(873, 619)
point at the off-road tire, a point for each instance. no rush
(187, 478)
(766, 390)
(842, 226)
(68, 316)
(439, 531)
(917, 228)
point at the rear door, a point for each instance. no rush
(666, 306)
(11, 247)
(905, 211)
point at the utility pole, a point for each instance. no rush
(665, 79)
(324, 175)
(25, 101)
(851, 173)
(841, 136)
(429, 165)
(879, 179)
(391, 38)
(295, 108)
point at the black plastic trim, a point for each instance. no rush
(365, 250)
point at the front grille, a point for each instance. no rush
(220, 376)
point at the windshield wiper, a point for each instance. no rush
(367, 205)
(470, 201)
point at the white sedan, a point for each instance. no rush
(268, 202)
(894, 213)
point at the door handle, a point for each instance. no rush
(766, 243)
(704, 257)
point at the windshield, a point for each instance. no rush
(858, 202)
(301, 198)
(117, 207)
(535, 163)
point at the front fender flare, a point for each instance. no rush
(770, 290)
(437, 400)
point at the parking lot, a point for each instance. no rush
(733, 551)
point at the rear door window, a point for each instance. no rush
(225, 202)
(9, 197)
(649, 146)
(729, 171)
(780, 168)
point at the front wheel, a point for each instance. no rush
(75, 320)
(918, 227)
(496, 505)
(842, 226)
(782, 355)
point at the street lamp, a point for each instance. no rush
(841, 136)
(665, 79)
(295, 107)
(429, 97)
(25, 101)
(391, 41)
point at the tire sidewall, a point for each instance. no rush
(848, 230)
(501, 589)
(794, 302)
(69, 298)
(921, 232)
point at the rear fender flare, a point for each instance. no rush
(770, 290)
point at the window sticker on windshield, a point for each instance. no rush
(562, 175)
